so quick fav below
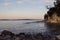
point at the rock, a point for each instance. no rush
(39, 36)
(28, 37)
(17, 38)
(7, 35)
(22, 36)
(5, 32)
(58, 37)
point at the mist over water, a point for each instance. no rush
(29, 26)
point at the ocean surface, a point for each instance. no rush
(30, 26)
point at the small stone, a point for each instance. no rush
(58, 37)
(17, 38)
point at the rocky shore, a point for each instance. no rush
(7, 35)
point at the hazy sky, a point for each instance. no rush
(24, 8)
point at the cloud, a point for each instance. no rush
(7, 0)
(49, 1)
(7, 3)
(33, 1)
(19, 2)
(23, 2)
(26, 1)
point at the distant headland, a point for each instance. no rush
(17, 19)
(53, 14)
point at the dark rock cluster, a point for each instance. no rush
(7, 35)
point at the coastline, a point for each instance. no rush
(7, 35)
(51, 21)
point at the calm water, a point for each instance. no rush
(29, 26)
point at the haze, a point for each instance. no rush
(23, 9)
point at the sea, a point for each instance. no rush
(30, 26)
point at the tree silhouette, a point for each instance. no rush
(46, 17)
(55, 9)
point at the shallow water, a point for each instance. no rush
(29, 26)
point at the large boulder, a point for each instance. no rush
(21, 36)
(5, 32)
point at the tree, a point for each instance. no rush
(46, 17)
(52, 10)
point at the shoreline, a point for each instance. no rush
(7, 35)
(47, 21)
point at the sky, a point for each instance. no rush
(24, 9)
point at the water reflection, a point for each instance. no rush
(53, 28)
